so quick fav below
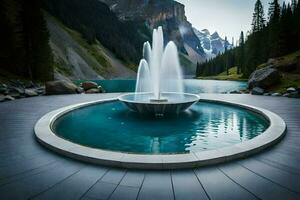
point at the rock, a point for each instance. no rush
(15, 95)
(14, 89)
(292, 95)
(40, 90)
(257, 91)
(60, 87)
(6, 98)
(245, 91)
(3, 89)
(276, 94)
(101, 90)
(9, 98)
(264, 78)
(79, 90)
(271, 61)
(2, 98)
(286, 95)
(89, 85)
(30, 93)
(93, 91)
(235, 92)
(291, 90)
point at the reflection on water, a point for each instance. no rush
(190, 86)
(204, 126)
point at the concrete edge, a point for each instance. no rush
(46, 137)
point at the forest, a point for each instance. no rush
(25, 50)
(276, 35)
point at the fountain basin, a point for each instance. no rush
(48, 135)
(169, 103)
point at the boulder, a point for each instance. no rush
(264, 78)
(6, 98)
(93, 91)
(89, 85)
(40, 90)
(291, 90)
(15, 95)
(2, 98)
(235, 92)
(30, 93)
(257, 91)
(286, 94)
(79, 90)
(3, 89)
(60, 87)
(292, 95)
(9, 98)
(101, 90)
(14, 89)
(276, 94)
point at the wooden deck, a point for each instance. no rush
(29, 171)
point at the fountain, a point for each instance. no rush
(159, 85)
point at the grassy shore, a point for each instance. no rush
(288, 66)
(232, 76)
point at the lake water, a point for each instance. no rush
(191, 86)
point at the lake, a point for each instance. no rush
(191, 85)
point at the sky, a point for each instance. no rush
(227, 17)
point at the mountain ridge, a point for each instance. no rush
(213, 44)
(75, 59)
(169, 14)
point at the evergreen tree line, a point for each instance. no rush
(273, 37)
(24, 49)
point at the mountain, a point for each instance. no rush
(75, 58)
(167, 13)
(212, 44)
(122, 28)
(94, 20)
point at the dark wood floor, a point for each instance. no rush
(29, 171)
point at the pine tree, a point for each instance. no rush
(226, 55)
(296, 18)
(25, 51)
(286, 31)
(241, 54)
(39, 60)
(274, 29)
(274, 12)
(258, 22)
(294, 5)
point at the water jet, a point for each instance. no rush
(159, 86)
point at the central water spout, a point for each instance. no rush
(159, 71)
(159, 84)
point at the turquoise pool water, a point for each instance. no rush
(190, 85)
(204, 126)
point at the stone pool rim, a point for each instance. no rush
(45, 136)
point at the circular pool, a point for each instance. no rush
(205, 126)
(210, 131)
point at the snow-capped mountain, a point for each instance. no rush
(212, 44)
